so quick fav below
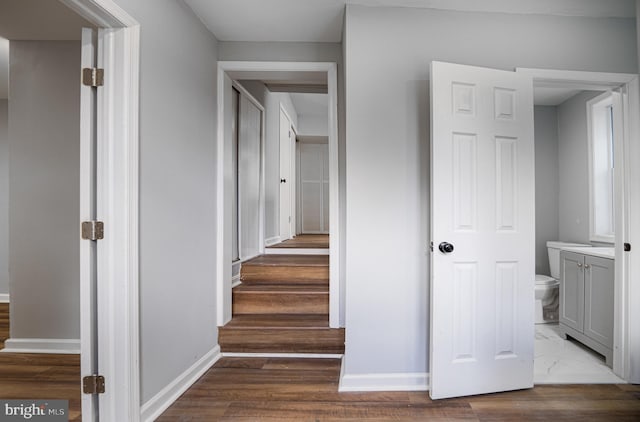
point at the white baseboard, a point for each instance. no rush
(4, 297)
(272, 241)
(42, 345)
(412, 381)
(296, 251)
(153, 408)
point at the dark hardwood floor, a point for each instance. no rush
(38, 376)
(305, 241)
(269, 389)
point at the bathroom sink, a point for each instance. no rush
(602, 252)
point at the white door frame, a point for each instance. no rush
(626, 337)
(117, 195)
(223, 218)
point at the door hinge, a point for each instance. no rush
(92, 76)
(92, 230)
(627, 247)
(93, 384)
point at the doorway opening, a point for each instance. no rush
(94, 167)
(279, 77)
(583, 128)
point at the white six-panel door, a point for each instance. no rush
(482, 186)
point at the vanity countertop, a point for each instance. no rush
(602, 252)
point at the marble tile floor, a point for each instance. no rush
(559, 361)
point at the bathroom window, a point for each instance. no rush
(600, 112)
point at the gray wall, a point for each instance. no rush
(573, 159)
(177, 190)
(547, 188)
(44, 179)
(4, 197)
(387, 52)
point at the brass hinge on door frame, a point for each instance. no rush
(92, 76)
(92, 230)
(93, 384)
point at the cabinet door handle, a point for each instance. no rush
(579, 265)
(587, 266)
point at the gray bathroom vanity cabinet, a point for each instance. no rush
(586, 301)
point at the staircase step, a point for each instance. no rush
(283, 269)
(279, 321)
(280, 299)
(280, 334)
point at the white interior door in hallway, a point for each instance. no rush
(483, 231)
(286, 177)
(314, 187)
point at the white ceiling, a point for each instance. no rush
(311, 104)
(321, 20)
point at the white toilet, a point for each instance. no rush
(547, 288)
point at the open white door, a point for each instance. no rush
(88, 248)
(483, 231)
(285, 177)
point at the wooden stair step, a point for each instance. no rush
(279, 321)
(280, 299)
(280, 334)
(299, 269)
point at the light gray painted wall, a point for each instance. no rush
(547, 183)
(387, 51)
(44, 180)
(4, 197)
(573, 159)
(271, 102)
(177, 190)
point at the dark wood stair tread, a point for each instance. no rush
(289, 261)
(279, 321)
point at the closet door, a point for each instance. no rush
(249, 127)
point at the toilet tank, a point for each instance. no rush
(553, 249)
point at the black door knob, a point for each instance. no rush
(283, 180)
(445, 247)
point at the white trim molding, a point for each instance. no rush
(410, 381)
(117, 291)
(296, 251)
(223, 218)
(42, 345)
(626, 336)
(4, 297)
(272, 241)
(169, 394)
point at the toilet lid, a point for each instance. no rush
(544, 279)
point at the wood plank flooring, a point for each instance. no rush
(305, 241)
(282, 306)
(269, 389)
(38, 376)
